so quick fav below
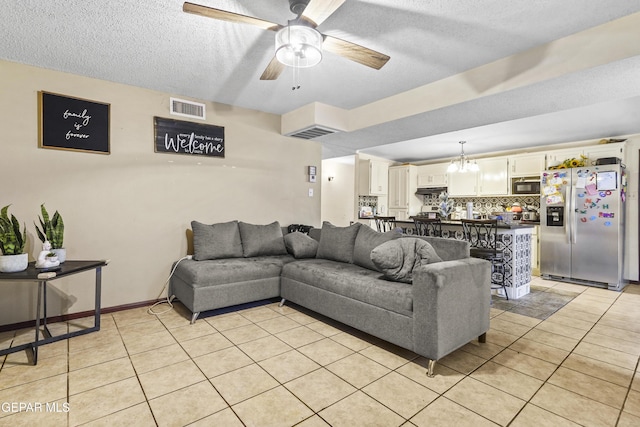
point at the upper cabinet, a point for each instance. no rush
(373, 178)
(463, 184)
(592, 152)
(525, 165)
(432, 175)
(556, 157)
(595, 152)
(491, 180)
(402, 189)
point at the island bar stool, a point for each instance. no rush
(428, 226)
(385, 223)
(482, 235)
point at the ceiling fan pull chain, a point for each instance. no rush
(296, 76)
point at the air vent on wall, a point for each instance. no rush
(181, 107)
(312, 132)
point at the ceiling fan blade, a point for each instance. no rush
(355, 52)
(319, 10)
(273, 70)
(224, 15)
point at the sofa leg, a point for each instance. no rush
(281, 302)
(431, 368)
(194, 316)
(482, 338)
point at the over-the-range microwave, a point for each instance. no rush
(525, 187)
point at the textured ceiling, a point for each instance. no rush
(153, 44)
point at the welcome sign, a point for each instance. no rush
(181, 137)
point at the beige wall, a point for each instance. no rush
(338, 197)
(134, 205)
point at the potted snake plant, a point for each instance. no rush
(12, 242)
(52, 230)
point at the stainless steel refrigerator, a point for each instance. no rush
(582, 225)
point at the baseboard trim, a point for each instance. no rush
(73, 316)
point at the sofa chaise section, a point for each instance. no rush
(233, 263)
(210, 284)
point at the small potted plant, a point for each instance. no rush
(51, 257)
(53, 231)
(12, 241)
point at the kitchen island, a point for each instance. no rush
(513, 239)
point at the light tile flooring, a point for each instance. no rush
(271, 366)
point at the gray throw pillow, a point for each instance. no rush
(366, 240)
(336, 243)
(300, 245)
(397, 258)
(262, 240)
(216, 241)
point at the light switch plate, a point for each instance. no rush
(311, 192)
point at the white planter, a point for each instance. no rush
(62, 254)
(13, 263)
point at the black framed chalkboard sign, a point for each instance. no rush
(69, 123)
(181, 137)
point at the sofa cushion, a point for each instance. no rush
(231, 270)
(367, 239)
(300, 245)
(397, 258)
(352, 281)
(216, 241)
(336, 243)
(262, 240)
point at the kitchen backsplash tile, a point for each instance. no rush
(486, 205)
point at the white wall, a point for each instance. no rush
(632, 247)
(338, 195)
(134, 205)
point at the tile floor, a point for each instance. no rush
(271, 366)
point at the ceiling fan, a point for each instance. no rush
(299, 44)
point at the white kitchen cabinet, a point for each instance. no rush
(463, 184)
(535, 251)
(595, 152)
(403, 182)
(400, 214)
(556, 157)
(433, 175)
(373, 178)
(493, 178)
(592, 152)
(526, 165)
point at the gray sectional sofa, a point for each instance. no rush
(423, 294)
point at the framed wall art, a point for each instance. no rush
(181, 137)
(69, 123)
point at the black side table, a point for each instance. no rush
(42, 278)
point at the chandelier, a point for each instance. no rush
(463, 164)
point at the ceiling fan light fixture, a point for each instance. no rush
(299, 46)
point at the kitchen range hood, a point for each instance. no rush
(430, 190)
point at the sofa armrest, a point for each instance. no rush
(448, 249)
(451, 302)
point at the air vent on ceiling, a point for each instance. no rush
(312, 132)
(181, 107)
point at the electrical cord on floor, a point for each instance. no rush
(169, 299)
